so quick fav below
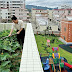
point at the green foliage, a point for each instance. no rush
(8, 52)
(5, 56)
(41, 44)
(5, 63)
(4, 70)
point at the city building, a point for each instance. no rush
(5, 15)
(12, 4)
(60, 14)
(14, 7)
(22, 14)
(39, 13)
(65, 7)
(66, 30)
(50, 14)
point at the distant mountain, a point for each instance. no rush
(38, 7)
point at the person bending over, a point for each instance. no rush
(20, 27)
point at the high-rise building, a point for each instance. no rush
(39, 13)
(5, 15)
(14, 7)
(12, 4)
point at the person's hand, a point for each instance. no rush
(9, 35)
(18, 32)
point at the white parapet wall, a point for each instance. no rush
(5, 26)
(30, 60)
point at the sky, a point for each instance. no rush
(49, 3)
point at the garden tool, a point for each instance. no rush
(7, 36)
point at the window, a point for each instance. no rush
(15, 4)
(27, 13)
(65, 29)
(13, 13)
(27, 17)
(7, 7)
(13, 10)
(21, 10)
(9, 17)
(69, 11)
(2, 1)
(64, 37)
(7, 2)
(50, 19)
(65, 16)
(58, 29)
(8, 13)
(15, 1)
(20, 18)
(50, 28)
(1, 4)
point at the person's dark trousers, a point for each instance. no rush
(20, 37)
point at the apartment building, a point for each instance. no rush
(39, 13)
(66, 30)
(4, 13)
(12, 6)
(60, 14)
(50, 14)
(22, 14)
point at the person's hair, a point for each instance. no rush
(14, 17)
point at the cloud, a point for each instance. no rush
(49, 3)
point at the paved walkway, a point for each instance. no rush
(30, 61)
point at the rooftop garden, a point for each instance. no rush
(41, 41)
(10, 53)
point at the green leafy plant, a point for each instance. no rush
(10, 54)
